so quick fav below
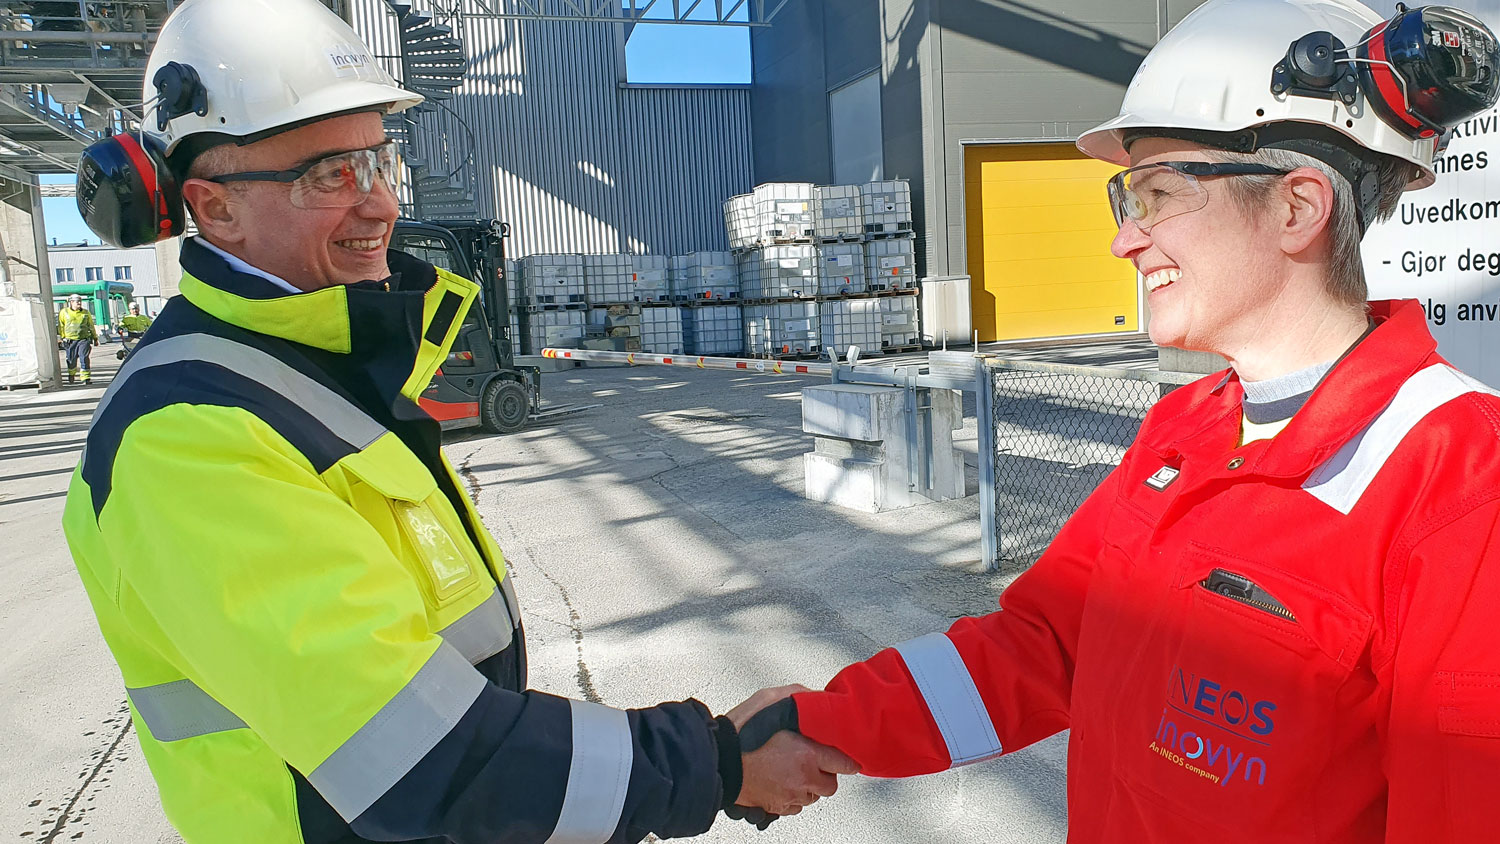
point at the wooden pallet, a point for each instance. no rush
(840, 238)
(869, 294)
(891, 290)
(788, 356)
(691, 301)
(783, 300)
(901, 350)
(884, 234)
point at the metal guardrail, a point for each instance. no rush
(1055, 431)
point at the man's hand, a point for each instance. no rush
(788, 771)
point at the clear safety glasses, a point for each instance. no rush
(338, 181)
(1148, 194)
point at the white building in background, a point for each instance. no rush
(75, 263)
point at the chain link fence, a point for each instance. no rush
(1058, 431)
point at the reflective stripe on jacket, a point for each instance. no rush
(1289, 640)
(317, 634)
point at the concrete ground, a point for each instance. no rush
(661, 549)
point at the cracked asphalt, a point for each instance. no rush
(661, 549)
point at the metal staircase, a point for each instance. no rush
(437, 144)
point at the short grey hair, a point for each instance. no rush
(1346, 276)
(214, 161)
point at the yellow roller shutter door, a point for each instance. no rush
(1039, 229)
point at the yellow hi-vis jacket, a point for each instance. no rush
(76, 325)
(317, 635)
(135, 323)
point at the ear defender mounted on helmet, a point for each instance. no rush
(127, 193)
(1429, 69)
(1423, 72)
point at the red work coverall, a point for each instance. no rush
(1353, 695)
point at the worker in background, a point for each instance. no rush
(134, 324)
(1275, 620)
(317, 635)
(78, 334)
(132, 328)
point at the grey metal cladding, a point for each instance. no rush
(854, 48)
(691, 150)
(571, 159)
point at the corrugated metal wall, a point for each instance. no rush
(687, 150)
(573, 160)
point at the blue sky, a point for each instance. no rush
(61, 216)
(654, 53)
(682, 53)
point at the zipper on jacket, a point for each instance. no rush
(1239, 588)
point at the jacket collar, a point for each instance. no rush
(408, 320)
(1352, 394)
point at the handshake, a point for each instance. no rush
(782, 771)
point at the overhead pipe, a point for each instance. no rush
(64, 37)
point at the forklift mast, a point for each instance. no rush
(482, 244)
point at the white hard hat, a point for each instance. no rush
(1213, 73)
(263, 65)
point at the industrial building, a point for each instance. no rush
(82, 263)
(532, 120)
(976, 104)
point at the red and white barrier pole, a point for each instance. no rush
(755, 365)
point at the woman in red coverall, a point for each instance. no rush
(1275, 621)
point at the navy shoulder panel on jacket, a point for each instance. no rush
(193, 358)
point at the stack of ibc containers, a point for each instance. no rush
(784, 212)
(661, 330)
(841, 268)
(853, 322)
(788, 271)
(778, 269)
(614, 317)
(552, 298)
(660, 323)
(705, 275)
(740, 221)
(890, 257)
(652, 278)
(839, 213)
(898, 330)
(713, 329)
(706, 286)
(782, 329)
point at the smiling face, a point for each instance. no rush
(310, 248)
(1209, 270)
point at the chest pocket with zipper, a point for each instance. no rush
(1263, 682)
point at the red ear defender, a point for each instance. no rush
(126, 192)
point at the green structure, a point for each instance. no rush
(106, 300)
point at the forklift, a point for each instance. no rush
(479, 384)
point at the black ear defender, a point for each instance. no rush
(127, 193)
